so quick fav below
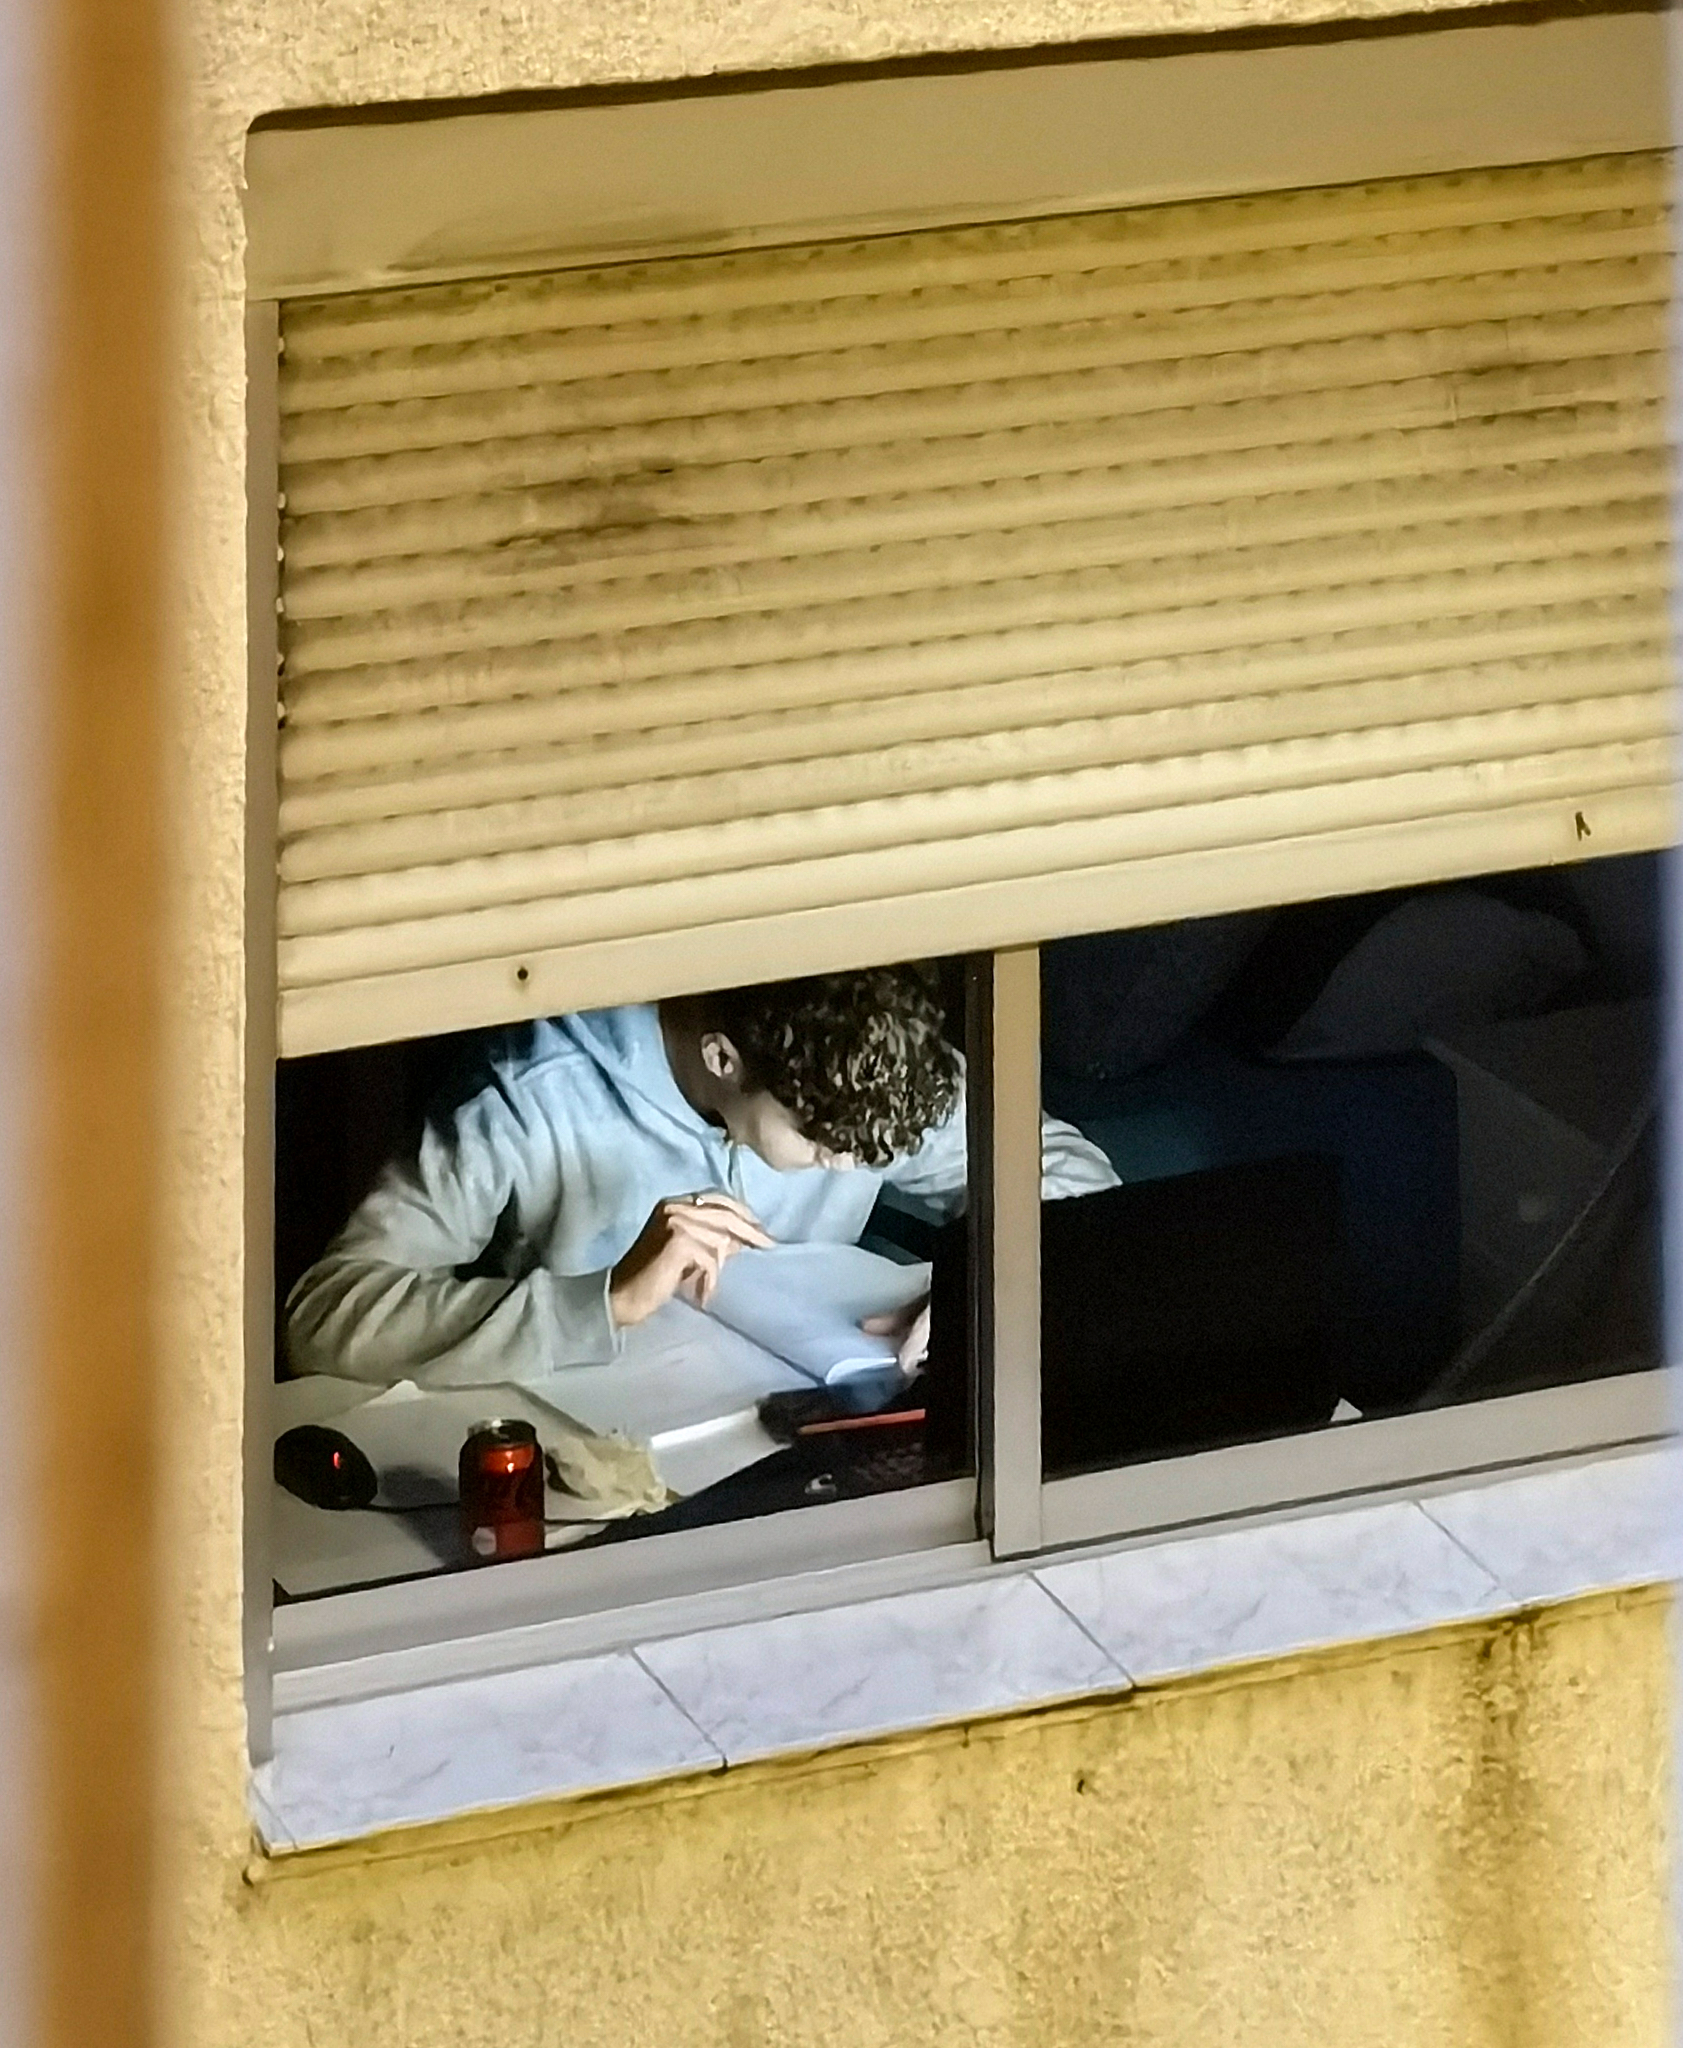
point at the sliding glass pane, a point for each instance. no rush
(1367, 1155)
(700, 1259)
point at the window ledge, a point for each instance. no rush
(1026, 1635)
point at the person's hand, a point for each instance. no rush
(908, 1326)
(680, 1250)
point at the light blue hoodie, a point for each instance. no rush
(543, 1180)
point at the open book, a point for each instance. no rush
(805, 1304)
(687, 1381)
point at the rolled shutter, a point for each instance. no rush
(720, 616)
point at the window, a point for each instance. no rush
(1215, 584)
(613, 1227)
(1379, 1154)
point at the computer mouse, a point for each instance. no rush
(323, 1467)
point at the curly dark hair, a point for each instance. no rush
(859, 1059)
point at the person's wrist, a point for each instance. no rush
(623, 1300)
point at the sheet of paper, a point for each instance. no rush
(677, 1369)
(413, 1439)
(805, 1302)
(317, 1551)
(318, 1397)
(691, 1459)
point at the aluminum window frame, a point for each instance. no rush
(1365, 1456)
(427, 1631)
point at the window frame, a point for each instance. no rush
(381, 1638)
(1364, 1456)
(262, 997)
(345, 1644)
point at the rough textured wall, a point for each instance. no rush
(1454, 1843)
(1326, 1855)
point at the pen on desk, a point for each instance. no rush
(840, 1422)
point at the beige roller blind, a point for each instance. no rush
(681, 622)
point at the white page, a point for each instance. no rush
(318, 1550)
(805, 1302)
(314, 1550)
(688, 1460)
(317, 1397)
(684, 1385)
(676, 1369)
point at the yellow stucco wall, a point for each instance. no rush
(1451, 1843)
(1455, 1841)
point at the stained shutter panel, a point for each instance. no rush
(725, 615)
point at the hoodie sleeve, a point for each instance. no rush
(934, 1177)
(387, 1300)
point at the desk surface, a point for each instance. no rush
(316, 1550)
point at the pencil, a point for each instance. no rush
(839, 1422)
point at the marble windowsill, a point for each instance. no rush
(1061, 1629)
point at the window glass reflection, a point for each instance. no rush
(1377, 1153)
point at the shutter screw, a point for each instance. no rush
(522, 974)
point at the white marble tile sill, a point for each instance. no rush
(1073, 1627)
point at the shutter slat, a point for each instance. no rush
(921, 756)
(911, 821)
(761, 586)
(1290, 292)
(1583, 660)
(1442, 323)
(767, 870)
(967, 490)
(628, 635)
(462, 711)
(1480, 369)
(775, 562)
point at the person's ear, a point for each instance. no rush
(721, 1058)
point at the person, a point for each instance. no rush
(611, 1159)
